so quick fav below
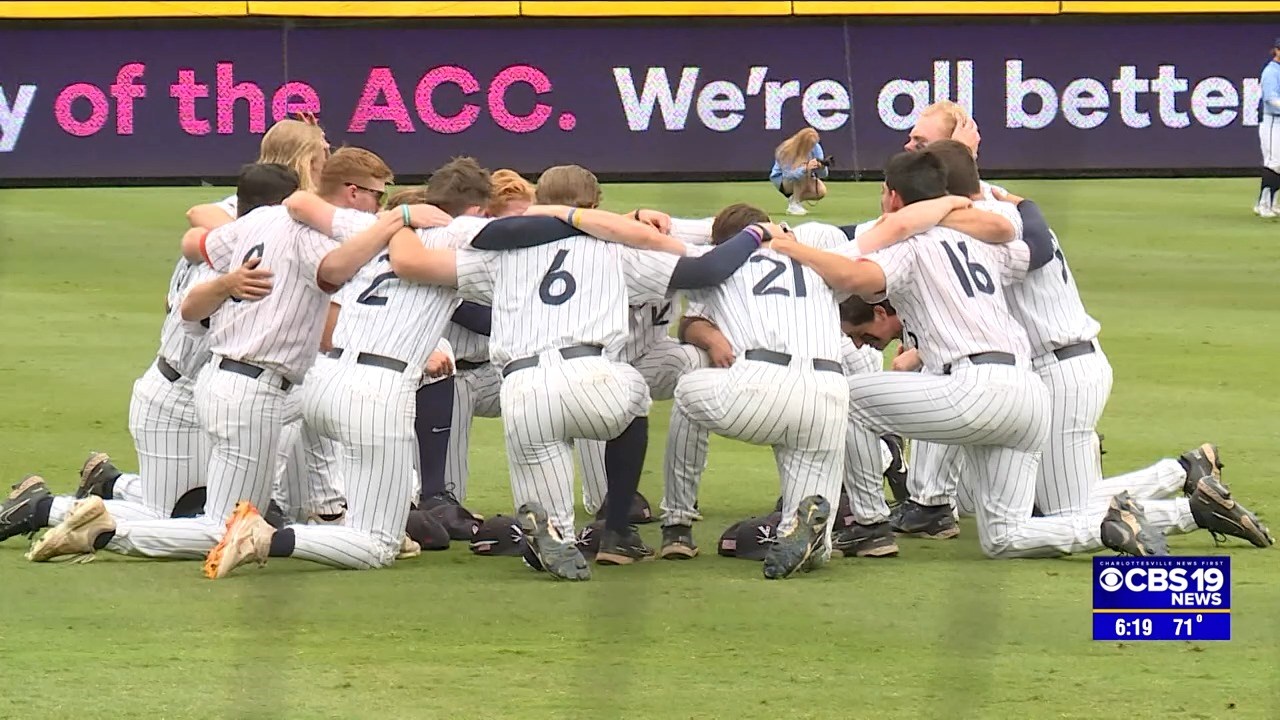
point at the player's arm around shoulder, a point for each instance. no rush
(412, 261)
(247, 282)
(840, 272)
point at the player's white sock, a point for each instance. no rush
(61, 507)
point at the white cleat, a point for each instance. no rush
(795, 208)
(76, 534)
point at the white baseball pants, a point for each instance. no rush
(244, 417)
(797, 410)
(308, 482)
(369, 412)
(546, 408)
(475, 394)
(662, 366)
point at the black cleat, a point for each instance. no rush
(622, 548)
(275, 516)
(18, 510)
(896, 473)
(1215, 511)
(801, 549)
(858, 540)
(1200, 462)
(96, 472)
(1125, 529)
(935, 522)
(677, 543)
(447, 510)
(557, 556)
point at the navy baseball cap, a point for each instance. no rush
(1277, 43)
(500, 535)
(750, 539)
(426, 531)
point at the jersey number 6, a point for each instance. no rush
(972, 275)
(557, 279)
(254, 252)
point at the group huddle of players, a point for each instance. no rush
(325, 349)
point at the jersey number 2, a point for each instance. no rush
(971, 274)
(557, 285)
(766, 286)
(367, 297)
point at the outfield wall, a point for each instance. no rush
(1056, 93)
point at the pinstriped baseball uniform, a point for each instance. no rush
(475, 394)
(567, 294)
(660, 358)
(364, 400)
(172, 446)
(244, 415)
(779, 397)
(308, 483)
(1047, 304)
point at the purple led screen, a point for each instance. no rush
(641, 99)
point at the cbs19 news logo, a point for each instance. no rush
(1199, 587)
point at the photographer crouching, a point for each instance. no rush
(798, 169)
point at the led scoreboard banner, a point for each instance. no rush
(1166, 598)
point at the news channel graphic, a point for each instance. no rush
(1183, 598)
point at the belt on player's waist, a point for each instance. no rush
(252, 371)
(380, 361)
(779, 358)
(1084, 347)
(986, 358)
(568, 353)
(470, 364)
(166, 370)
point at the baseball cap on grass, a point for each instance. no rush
(588, 541)
(500, 535)
(426, 531)
(750, 539)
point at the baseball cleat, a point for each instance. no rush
(935, 522)
(96, 471)
(896, 473)
(248, 537)
(677, 543)
(19, 508)
(1215, 511)
(622, 548)
(1125, 529)
(559, 557)
(408, 548)
(802, 548)
(858, 540)
(1200, 462)
(76, 534)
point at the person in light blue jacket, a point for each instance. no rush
(798, 169)
(1269, 134)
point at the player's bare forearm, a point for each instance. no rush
(207, 216)
(704, 335)
(205, 298)
(612, 227)
(330, 322)
(985, 226)
(840, 273)
(310, 209)
(911, 220)
(191, 241)
(411, 261)
(342, 263)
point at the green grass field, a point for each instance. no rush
(1180, 273)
